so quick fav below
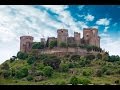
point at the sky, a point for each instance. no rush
(44, 20)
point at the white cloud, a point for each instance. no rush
(95, 27)
(20, 20)
(109, 44)
(89, 17)
(106, 29)
(80, 7)
(103, 21)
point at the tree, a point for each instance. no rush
(64, 67)
(90, 57)
(99, 56)
(53, 44)
(22, 73)
(52, 61)
(99, 73)
(31, 59)
(84, 81)
(22, 55)
(48, 71)
(29, 78)
(6, 73)
(5, 66)
(74, 80)
(62, 44)
(38, 45)
(75, 58)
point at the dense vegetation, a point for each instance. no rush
(33, 68)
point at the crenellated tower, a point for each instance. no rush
(26, 43)
(62, 35)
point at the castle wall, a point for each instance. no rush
(77, 38)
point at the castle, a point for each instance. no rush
(90, 37)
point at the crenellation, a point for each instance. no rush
(90, 37)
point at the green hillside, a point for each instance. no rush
(34, 69)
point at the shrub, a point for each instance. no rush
(99, 73)
(90, 57)
(74, 80)
(87, 72)
(62, 44)
(6, 74)
(21, 55)
(64, 67)
(117, 81)
(5, 66)
(37, 45)
(109, 72)
(53, 44)
(52, 61)
(29, 78)
(22, 73)
(84, 81)
(48, 71)
(75, 58)
(71, 65)
(31, 59)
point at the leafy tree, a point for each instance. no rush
(64, 67)
(83, 61)
(99, 56)
(31, 59)
(99, 73)
(75, 58)
(6, 73)
(53, 44)
(87, 72)
(34, 53)
(84, 81)
(90, 57)
(48, 71)
(114, 58)
(22, 55)
(62, 44)
(29, 78)
(74, 80)
(5, 66)
(22, 73)
(38, 45)
(52, 61)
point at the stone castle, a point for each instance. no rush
(90, 37)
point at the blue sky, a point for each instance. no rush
(44, 20)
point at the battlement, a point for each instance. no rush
(90, 37)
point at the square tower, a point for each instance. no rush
(62, 35)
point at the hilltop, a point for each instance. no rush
(44, 69)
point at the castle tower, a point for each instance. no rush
(26, 43)
(62, 35)
(43, 41)
(77, 38)
(87, 35)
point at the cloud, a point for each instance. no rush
(89, 17)
(103, 21)
(95, 27)
(109, 44)
(106, 29)
(81, 7)
(20, 20)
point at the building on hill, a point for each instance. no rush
(90, 37)
(26, 43)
